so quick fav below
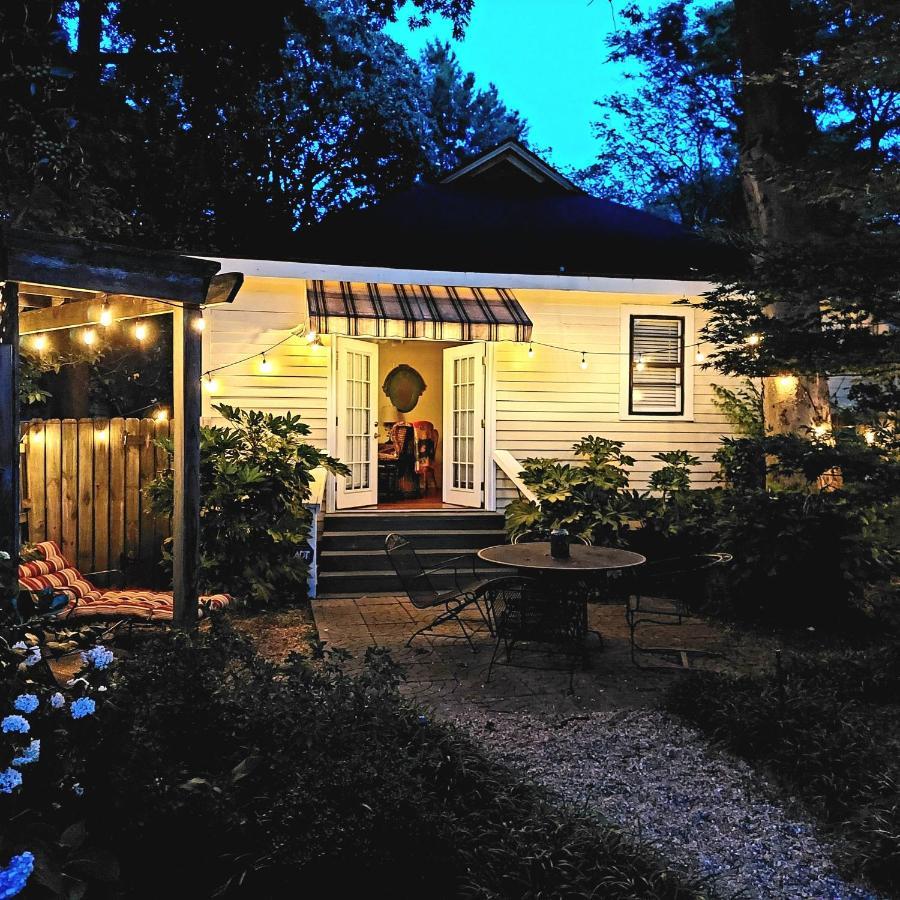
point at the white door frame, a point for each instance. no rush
(490, 424)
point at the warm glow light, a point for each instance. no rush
(106, 316)
(787, 383)
(140, 331)
(199, 323)
(531, 351)
(265, 366)
(40, 342)
(36, 436)
(161, 415)
(699, 356)
(820, 429)
(101, 434)
(753, 340)
(211, 385)
(640, 365)
(89, 336)
(870, 437)
(584, 362)
(315, 345)
(311, 336)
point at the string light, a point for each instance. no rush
(199, 323)
(640, 365)
(753, 340)
(820, 429)
(316, 345)
(161, 415)
(265, 366)
(787, 382)
(106, 315)
(140, 331)
(699, 357)
(211, 385)
(531, 351)
(39, 342)
(101, 434)
(311, 336)
(869, 436)
(584, 362)
(36, 435)
(89, 336)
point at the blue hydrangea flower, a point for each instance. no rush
(10, 780)
(33, 657)
(15, 876)
(57, 701)
(78, 790)
(98, 657)
(26, 703)
(15, 724)
(32, 753)
(20, 645)
(83, 706)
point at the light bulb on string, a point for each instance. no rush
(531, 351)
(753, 340)
(869, 436)
(699, 356)
(311, 336)
(40, 342)
(787, 382)
(265, 366)
(140, 332)
(316, 345)
(199, 323)
(211, 385)
(640, 365)
(89, 337)
(584, 362)
(106, 316)
(161, 415)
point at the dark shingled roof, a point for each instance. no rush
(511, 224)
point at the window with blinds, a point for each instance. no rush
(657, 366)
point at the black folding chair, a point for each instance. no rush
(468, 588)
(666, 592)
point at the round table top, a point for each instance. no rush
(581, 559)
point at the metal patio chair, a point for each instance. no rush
(661, 593)
(468, 588)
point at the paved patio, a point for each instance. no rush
(444, 674)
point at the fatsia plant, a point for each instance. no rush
(589, 498)
(255, 474)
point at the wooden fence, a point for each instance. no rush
(83, 486)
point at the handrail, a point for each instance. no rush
(317, 486)
(512, 469)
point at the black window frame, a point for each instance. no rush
(680, 365)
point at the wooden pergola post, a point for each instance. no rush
(10, 532)
(186, 409)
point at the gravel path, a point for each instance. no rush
(705, 811)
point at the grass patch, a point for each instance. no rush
(828, 730)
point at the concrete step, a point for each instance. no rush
(413, 521)
(380, 581)
(475, 539)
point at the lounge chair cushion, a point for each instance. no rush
(85, 600)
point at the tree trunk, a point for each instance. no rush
(775, 134)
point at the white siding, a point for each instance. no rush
(546, 403)
(265, 311)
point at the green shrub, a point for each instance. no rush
(827, 731)
(255, 476)
(225, 774)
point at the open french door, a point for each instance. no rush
(357, 426)
(464, 425)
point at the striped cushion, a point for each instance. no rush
(152, 606)
(53, 561)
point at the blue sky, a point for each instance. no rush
(547, 58)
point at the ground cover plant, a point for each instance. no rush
(826, 725)
(250, 778)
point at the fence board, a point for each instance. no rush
(85, 495)
(101, 494)
(69, 480)
(84, 480)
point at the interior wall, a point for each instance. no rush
(426, 357)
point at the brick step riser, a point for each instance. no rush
(413, 523)
(376, 560)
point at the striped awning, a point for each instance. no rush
(367, 309)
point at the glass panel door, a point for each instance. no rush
(357, 441)
(464, 425)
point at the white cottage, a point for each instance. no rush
(504, 308)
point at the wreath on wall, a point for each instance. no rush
(403, 386)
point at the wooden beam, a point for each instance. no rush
(34, 301)
(87, 312)
(86, 265)
(58, 293)
(186, 409)
(10, 534)
(224, 288)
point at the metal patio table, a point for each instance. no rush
(571, 582)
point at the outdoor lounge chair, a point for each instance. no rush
(662, 593)
(468, 588)
(85, 600)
